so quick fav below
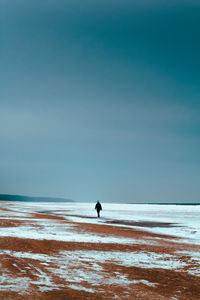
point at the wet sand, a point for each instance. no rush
(150, 267)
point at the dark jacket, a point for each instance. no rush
(98, 206)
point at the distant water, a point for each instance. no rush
(175, 203)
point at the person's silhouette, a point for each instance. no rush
(98, 208)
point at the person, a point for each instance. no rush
(98, 208)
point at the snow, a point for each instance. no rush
(92, 259)
(8, 282)
(64, 233)
(74, 267)
(81, 288)
(127, 259)
(85, 270)
(185, 218)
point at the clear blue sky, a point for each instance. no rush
(100, 99)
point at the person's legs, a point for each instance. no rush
(98, 212)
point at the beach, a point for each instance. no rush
(63, 251)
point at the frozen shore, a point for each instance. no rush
(133, 252)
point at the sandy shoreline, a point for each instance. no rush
(135, 264)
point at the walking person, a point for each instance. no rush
(98, 208)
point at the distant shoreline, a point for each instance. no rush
(22, 198)
(8, 197)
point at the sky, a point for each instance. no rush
(100, 99)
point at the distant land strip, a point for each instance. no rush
(7, 197)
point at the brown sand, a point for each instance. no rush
(168, 284)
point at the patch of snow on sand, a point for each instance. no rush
(11, 214)
(127, 259)
(74, 267)
(80, 268)
(62, 232)
(10, 283)
(185, 217)
(44, 282)
(194, 260)
(22, 284)
(91, 259)
(81, 288)
(193, 254)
